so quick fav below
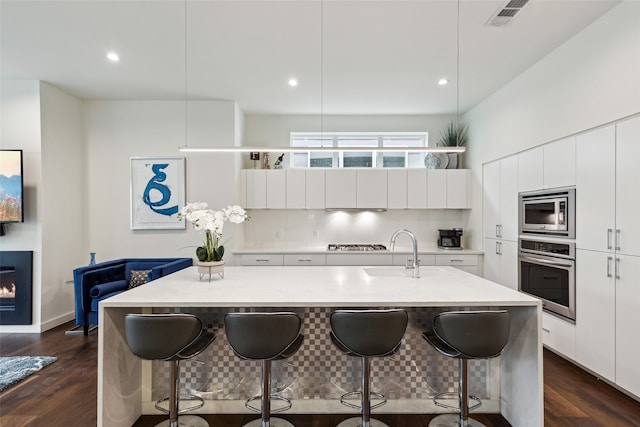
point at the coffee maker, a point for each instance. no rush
(450, 239)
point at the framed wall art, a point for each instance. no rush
(157, 192)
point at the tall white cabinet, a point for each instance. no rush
(500, 215)
(608, 255)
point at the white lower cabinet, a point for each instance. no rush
(627, 321)
(468, 263)
(608, 315)
(359, 259)
(595, 312)
(305, 259)
(501, 262)
(262, 259)
(559, 335)
(423, 259)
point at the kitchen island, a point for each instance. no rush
(124, 382)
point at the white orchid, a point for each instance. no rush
(212, 222)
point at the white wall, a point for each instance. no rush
(114, 131)
(592, 79)
(62, 202)
(20, 128)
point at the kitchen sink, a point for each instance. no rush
(387, 271)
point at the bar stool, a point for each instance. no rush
(172, 338)
(265, 337)
(466, 335)
(367, 334)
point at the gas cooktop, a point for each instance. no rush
(356, 247)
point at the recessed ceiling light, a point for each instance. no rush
(293, 82)
(113, 57)
(443, 82)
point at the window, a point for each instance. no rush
(360, 158)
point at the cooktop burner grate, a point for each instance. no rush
(356, 247)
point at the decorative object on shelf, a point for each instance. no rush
(454, 135)
(436, 160)
(265, 161)
(92, 258)
(212, 222)
(157, 192)
(255, 156)
(278, 163)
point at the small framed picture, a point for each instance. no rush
(157, 192)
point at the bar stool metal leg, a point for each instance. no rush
(265, 403)
(365, 401)
(461, 419)
(174, 399)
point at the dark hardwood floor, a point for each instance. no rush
(64, 393)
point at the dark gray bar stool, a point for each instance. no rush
(466, 335)
(172, 338)
(367, 334)
(265, 337)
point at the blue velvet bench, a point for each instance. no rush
(93, 283)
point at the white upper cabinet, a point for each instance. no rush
(397, 189)
(314, 189)
(296, 188)
(341, 189)
(437, 188)
(627, 193)
(371, 189)
(595, 189)
(560, 163)
(458, 189)
(530, 169)
(276, 189)
(256, 181)
(500, 204)
(417, 188)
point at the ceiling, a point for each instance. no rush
(350, 56)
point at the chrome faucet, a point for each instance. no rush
(415, 264)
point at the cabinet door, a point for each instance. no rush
(560, 163)
(417, 188)
(314, 189)
(437, 188)
(458, 189)
(371, 189)
(509, 264)
(296, 184)
(340, 191)
(595, 189)
(509, 198)
(256, 188)
(276, 189)
(491, 199)
(397, 189)
(627, 194)
(595, 312)
(559, 335)
(492, 260)
(304, 259)
(627, 321)
(530, 169)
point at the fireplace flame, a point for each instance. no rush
(9, 292)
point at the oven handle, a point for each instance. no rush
(545, 261)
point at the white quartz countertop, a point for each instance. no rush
(321, 286)
(430, 250)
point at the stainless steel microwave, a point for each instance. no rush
(549, 212)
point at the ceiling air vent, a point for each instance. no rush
(505, 14)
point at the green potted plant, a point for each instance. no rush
(454, 135)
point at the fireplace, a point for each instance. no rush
(15, 287)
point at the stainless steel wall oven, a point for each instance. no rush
(546, 270)
(548, 212)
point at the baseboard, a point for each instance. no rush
(57, 321)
